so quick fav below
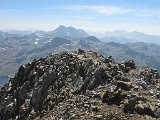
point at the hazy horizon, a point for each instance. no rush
(94, 33)
(90, 15)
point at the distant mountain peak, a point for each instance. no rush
(61, 27)
(62, 31)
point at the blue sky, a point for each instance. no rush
(91, 15)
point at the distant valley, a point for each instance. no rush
(18, 47)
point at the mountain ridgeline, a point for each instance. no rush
(63, 31)
(19, 47)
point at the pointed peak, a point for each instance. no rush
(62, 26)
(62, 31)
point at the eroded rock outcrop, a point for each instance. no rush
(81, 85)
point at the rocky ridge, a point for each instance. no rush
(81, 85)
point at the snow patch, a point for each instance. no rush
(36, 42)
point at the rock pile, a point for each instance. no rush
(81, 85)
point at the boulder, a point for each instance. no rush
(139, 109)
(124, 85)
(114, 97)
(130, 64)
(157, 113)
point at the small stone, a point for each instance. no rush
(99, 117)
(94, 108)
(139, 109)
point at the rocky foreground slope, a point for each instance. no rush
(81, 85)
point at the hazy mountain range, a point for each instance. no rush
(18, 47)
(122, 36)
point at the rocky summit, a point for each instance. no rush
(81, 85)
